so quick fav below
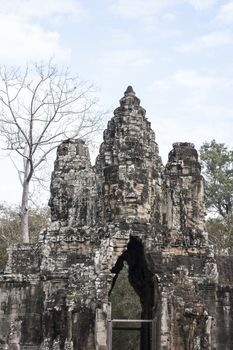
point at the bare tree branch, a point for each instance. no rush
(40, 107)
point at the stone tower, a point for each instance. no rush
(127, 209)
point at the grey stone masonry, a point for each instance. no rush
(130, 210)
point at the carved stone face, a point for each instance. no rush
(126, 209)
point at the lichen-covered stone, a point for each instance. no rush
(127, 209)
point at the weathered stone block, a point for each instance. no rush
(128, 209)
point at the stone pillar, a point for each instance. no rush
(183, 208)
(128, 166)
(73, 185)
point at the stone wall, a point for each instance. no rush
(127, 209)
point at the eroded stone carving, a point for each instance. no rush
(129, 209)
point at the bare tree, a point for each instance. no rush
(40, 107)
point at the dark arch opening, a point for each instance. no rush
(141, 279)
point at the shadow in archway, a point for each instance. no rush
(132, 297)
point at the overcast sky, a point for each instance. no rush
(177, 55)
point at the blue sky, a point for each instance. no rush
(177, 55)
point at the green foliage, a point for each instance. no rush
(221, 234)
(10, 227)
(217, 163)
(125, 305)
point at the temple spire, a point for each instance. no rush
(129, 91)
(129, 98)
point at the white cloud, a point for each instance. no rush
(201, 4)
(192, 80)
(133, 58)
(23, 41)
(148, 8)
(190, 85)
(201, 107)
(196, 93)
(211, 40)
(225, 13)
(170, 17)
(191, 88)
(137, 8)
(28, 9)
(23, 33)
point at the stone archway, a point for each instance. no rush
(140, 303)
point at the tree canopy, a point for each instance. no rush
(10, 226)
(217, 163)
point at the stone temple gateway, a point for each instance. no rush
(127, 209)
